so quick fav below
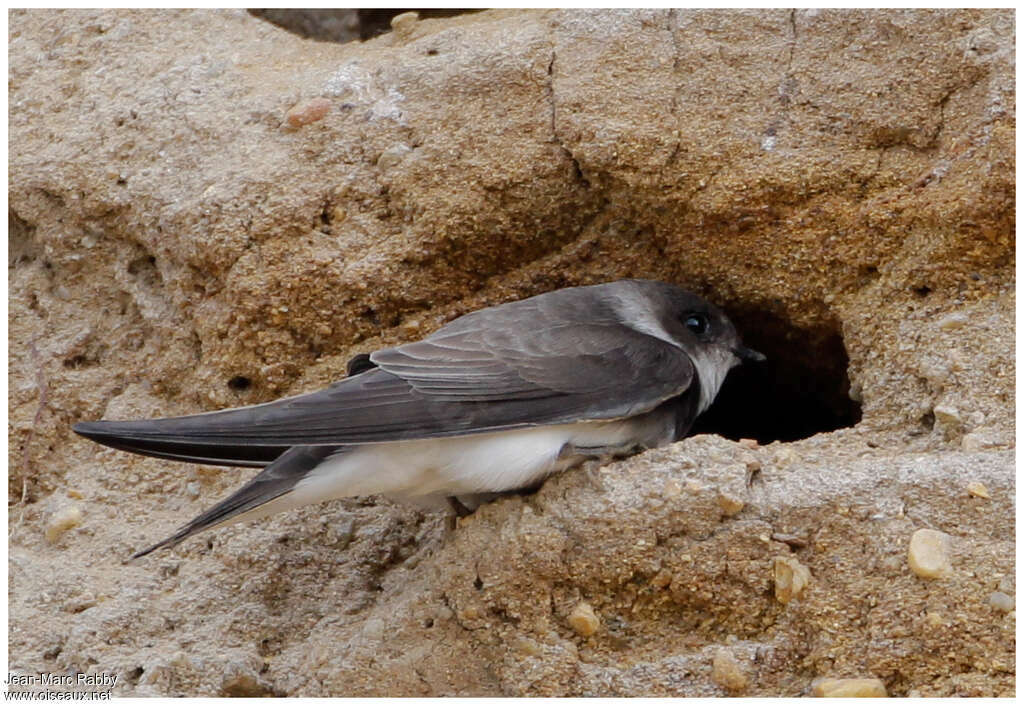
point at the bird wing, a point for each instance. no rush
(503, 368)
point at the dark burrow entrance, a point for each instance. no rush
(801, 390)
(343, 25)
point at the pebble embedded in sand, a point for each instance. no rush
(972, 442)
(947, 415)
(528, 647)
(403, 24)
(61, 521)
(584, 620)
(393, 155)
(791, 577)
(1001, 601)
(727, 672)
(833, 688)
(730, 504)
(978, 490)
(662, 579)
(928, 554)
(307, 112)
(952, 321)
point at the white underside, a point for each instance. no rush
(435, 468)
(479, 463)
(425, 470)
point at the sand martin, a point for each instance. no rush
(494, 401)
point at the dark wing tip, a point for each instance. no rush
(169, 542)
(107, 433)
(180, 535)
(90, 430)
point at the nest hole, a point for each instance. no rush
(802, 389)
(240, 383)
(344, 25)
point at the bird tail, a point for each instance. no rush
(264, 495)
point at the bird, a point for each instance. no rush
(494, 401)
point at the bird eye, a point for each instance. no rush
(697, 323)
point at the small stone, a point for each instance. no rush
(727, 672)
(528, 647)
(730, 504)
(928, 554)
(752, 469)
(935, 619)
(61, 521)
(835, 688)
(952, 321)
(748, 443)
(984, 438)
(784, 457)
(793, 541)
(192, 489)
(972, 442)
(81, 602)
(978, 490)
(393, 155)
(307, 112)
(856, 392)
(584, 620)
(239, 679)
(662, 579)
(341, 535)
(1007, 584)
(947, 415)
(402, 24)
(791, 577)
(1001, 601)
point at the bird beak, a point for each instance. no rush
(748, 355)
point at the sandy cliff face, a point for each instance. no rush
(206, 211)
